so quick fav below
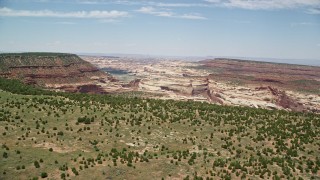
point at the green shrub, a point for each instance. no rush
(44, 175)
(36, 164)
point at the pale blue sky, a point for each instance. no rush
(242, 28)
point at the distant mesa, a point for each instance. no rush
(59, 71)
(284, 76)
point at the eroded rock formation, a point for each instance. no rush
(283, 100)
(134, 84)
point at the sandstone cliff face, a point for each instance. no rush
(52, 70)
(283, 100)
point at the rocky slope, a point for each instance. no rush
(60, 71)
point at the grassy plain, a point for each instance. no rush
(79, 136)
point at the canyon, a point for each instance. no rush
(227, 82)
(220, 81)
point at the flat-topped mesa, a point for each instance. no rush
(283, 76)
(51, 70)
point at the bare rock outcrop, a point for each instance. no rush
(133, 84)
(179, 89)
(214, 97)
(283, 100)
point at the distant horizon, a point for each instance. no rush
(308, 62)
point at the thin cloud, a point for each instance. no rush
(119, 2)
(153, 11)
(314, 11)
(89, 2)
(144, 3)
(75, 14)
(181, 4)
(141, 3)
(122, 2)
(192, 16)
(212, 1)
(163, 13)
(265, 4)
(108, 21)
(66, 23)
(295, 24)
(312, 6)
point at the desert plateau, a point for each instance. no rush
(92, 117)
(159, 90)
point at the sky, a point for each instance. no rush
(287, 29)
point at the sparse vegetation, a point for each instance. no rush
(133, 137)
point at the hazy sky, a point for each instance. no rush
(243, 28)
